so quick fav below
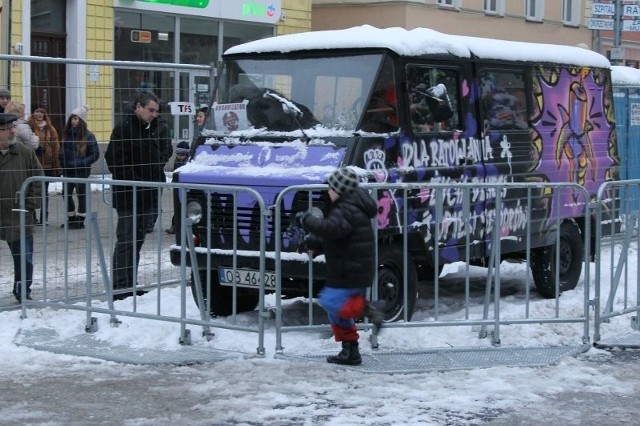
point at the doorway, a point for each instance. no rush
(48, 80)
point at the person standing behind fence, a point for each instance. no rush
(17, 164)
(349, 244)
(5, 98)
(79, 151)
(135, 152)
(24, 134)
(48, 153)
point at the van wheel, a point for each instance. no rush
(390, 288)
(222, 296)
(543, 262)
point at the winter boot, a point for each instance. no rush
(376, 318)
(78, 222)
(349, 355)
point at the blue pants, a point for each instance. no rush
(334, 300)
(14, 246)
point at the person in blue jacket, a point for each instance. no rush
(79, 151)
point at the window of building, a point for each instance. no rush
(571, 12)
(434, 98)
(199, 41)
(48, 15)
(534, 10)
(151, 37)
(503, 100)
(494, 7)
(450, 3)
(234, 33)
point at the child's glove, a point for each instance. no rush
(298, 220)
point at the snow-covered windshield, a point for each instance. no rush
(287, 94)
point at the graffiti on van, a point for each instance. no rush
(570, 121)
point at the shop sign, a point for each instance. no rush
(140, 36)
(182, 108)
(259, 11)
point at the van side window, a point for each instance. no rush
(433, 98)
(381, 112)
(503, 100)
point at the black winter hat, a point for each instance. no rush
(343, 180)
(7, 118)
(182, 148)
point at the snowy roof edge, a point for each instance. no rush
(424, 41)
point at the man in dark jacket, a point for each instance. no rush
(138, 150)
(17, 163)
(349, 247)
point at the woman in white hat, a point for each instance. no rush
(79, 151)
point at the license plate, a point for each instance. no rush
(246, 278)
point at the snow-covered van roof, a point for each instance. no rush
(625, 76)
(424, 41)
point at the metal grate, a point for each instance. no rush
(46, 339)
(626, 341)
(451, 358)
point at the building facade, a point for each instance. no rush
(173, 31)
(543, 21)
(198, 31)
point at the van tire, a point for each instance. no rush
(390, 287)
(543, 262)
(222, 300)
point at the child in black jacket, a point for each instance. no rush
(348, 238)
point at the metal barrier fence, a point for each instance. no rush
(622, 300)
(73, 268)
(512, 225)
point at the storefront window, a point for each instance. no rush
(198, 41)
(241, 33)
(147, 38)
(151, 37)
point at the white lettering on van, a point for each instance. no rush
(448, 153)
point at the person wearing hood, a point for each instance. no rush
(48, 152)
(139, 148)
(79, 151)
(349, 247)
(24, 134)
(17, 163)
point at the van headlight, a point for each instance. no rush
(194, 211)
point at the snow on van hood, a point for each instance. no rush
(424, 41)
(285, 164)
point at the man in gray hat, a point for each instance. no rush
(17, 163)
(5, 97)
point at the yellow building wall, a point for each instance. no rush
(100, 85)
(297, 17)
(16, 69)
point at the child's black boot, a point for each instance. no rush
(349, 355)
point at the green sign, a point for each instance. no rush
(183, 3)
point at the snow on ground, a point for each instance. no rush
(275, 391)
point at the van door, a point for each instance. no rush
(445, 148)
(505, 129)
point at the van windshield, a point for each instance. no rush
(294, 93)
